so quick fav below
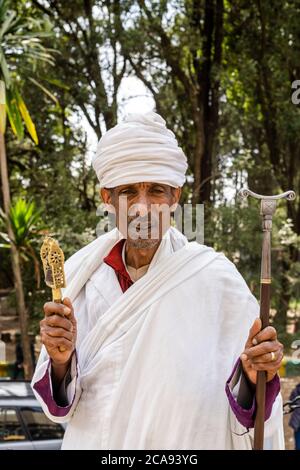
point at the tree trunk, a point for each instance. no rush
(198, 153)
(15, 261)
(211, 87)
(207, 105)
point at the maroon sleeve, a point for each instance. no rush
(245, 416)
(44, 388)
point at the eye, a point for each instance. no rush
(157, 190)
(126, 191)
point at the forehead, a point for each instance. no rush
(139, 186)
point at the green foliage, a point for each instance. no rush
(26, 224)
(256, 144)
(21, 51)
(24, 218)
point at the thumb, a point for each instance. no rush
(255, 328)
(67, 302)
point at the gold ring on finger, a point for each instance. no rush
(273, 356)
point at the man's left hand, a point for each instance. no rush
(262, 351)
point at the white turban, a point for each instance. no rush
(140, 149)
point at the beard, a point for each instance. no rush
(142, 244)
(143, 232)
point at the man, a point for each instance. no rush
(161, 338)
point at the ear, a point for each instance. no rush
(105, 195)
(176, 195)
(107, 200)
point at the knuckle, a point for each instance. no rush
(280, 358)
(269, 331)
(269, 346)
(52, 307)
(52, 331)
(273, 332)
(62, 324)
(265, 333)
(49, 322)
(53, 320)
(68, 325)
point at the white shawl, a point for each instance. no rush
(153, 362)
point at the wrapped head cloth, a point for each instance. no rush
(140, 149)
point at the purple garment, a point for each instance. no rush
(246, 416)
(44, 388)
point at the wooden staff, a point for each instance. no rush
(267, 210)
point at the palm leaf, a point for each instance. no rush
(26, 118)
(24, 217)
(20, 39)
(7, 23)
(14, 114)
(4, 69)
(5, 237)
(47, 92)
(4, 245)
(58, 83)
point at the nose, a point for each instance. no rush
(142, 205)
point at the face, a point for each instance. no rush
(143, 211)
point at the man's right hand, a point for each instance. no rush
(59, 328)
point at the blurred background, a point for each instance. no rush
(225, 75)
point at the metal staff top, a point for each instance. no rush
(267, 209)
(290, 195)
(53, 258)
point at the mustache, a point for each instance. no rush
(147, 219)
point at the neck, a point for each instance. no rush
(138, 257)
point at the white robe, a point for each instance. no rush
(153, 361)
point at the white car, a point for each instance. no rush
(23, 424)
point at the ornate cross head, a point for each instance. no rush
(53, 258)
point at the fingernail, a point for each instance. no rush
(67, 310)
(254, 341)
(244, 357)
